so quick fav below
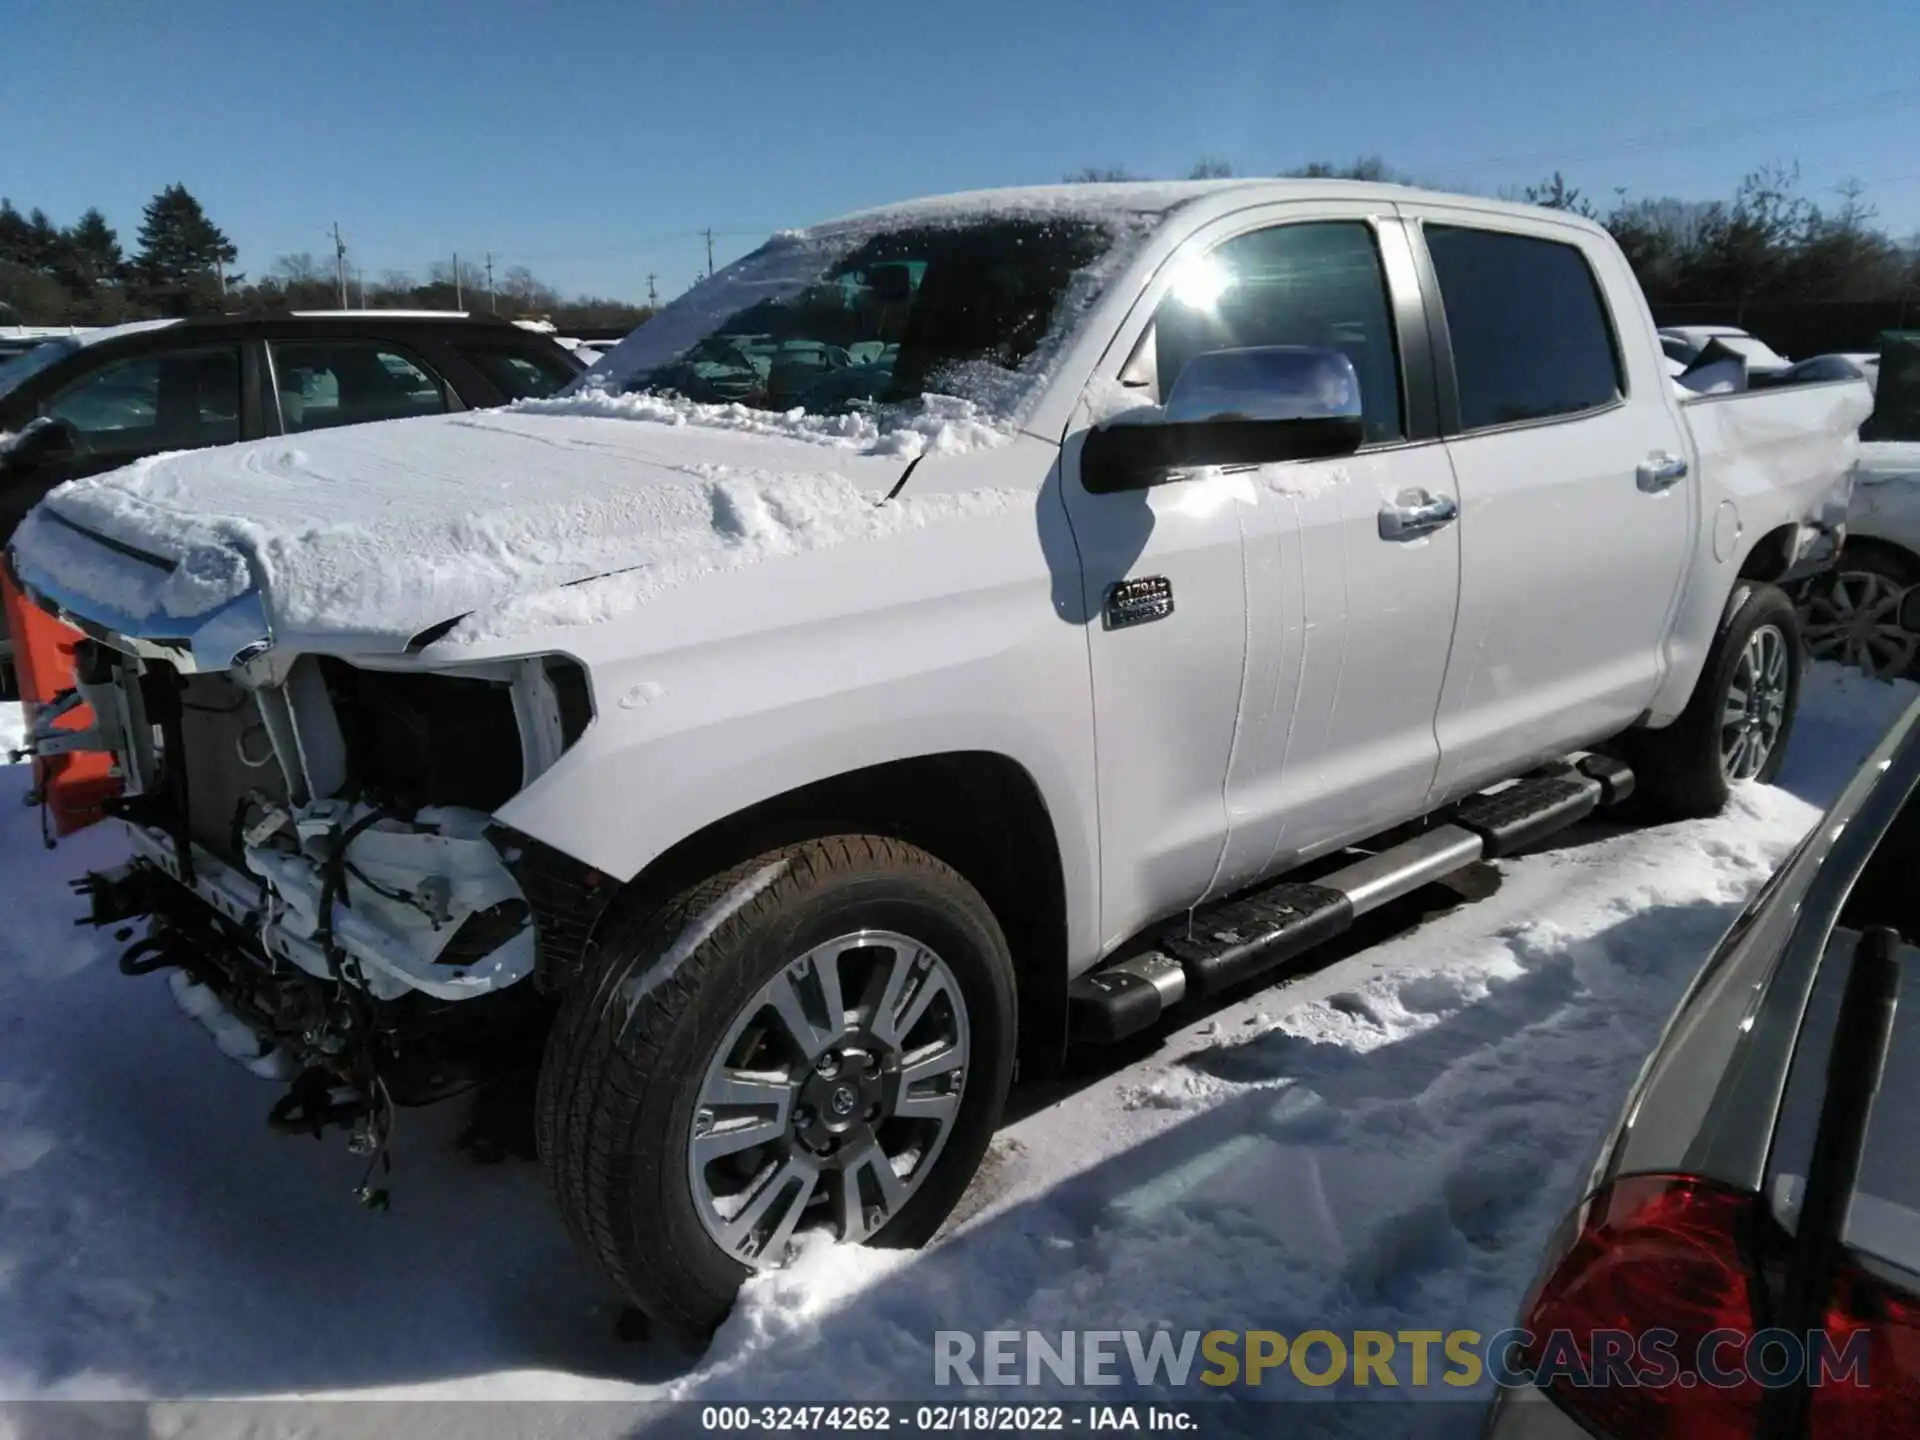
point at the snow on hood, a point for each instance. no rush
(366, 536)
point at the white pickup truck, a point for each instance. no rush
(946, 632)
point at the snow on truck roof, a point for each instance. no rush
(1151, 198)
(102, 333)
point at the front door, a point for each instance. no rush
(1287, 695)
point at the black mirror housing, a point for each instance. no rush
(1138, 457)
(44, 442)
(1257, 405)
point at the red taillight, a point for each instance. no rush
(1885, 1404)
(1651, 1253)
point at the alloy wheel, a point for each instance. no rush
(1754, 711)
(830, 1098)
(1853, 617)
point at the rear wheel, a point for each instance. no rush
(1736, 726)
(818, 1041)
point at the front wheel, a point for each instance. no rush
(819, 1041)
(1737, 723)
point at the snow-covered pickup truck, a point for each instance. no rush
(944, 633)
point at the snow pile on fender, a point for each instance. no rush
(936, 424)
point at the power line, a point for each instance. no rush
(1860, 105)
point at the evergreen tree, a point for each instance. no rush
(93, 251)
(16, 235)
(182, 253)
(44, 245)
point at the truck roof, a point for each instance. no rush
(1161, 197)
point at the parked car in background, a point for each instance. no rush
(814, 768)
(1764, 1171)
(1686, 343)
(1818, 369)
(78, 404)
(1852, 614)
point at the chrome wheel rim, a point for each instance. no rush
(830, 1099)
(1755, 709)
(1854, 618)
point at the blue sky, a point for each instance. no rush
(590, 140)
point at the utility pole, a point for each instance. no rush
(709, 234)
(653, 295)
(459, 301)
(340, 263)
(492, 307)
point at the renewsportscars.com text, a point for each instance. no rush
(1404, 1358)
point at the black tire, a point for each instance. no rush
(1679, 771)
(625, 1062)
(1850, 615)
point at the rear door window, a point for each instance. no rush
(185, 400)
(351, 382)
(520, 374)
(1530, 333)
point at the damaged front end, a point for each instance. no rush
(314, 853)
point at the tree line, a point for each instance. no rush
(182, 264)
(1766, 245)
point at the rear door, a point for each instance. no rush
(516, 372)
(1577, 516)
(346, 379)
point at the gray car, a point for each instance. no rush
(1745, 1260)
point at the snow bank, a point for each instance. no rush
(1384, 1143)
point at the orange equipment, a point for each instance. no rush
(75, 786)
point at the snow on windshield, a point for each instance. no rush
(900, 331)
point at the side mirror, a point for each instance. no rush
(1261, 405)
(44, 442)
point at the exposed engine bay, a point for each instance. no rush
(314, 852)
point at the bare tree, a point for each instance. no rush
(1366, 167)
(301, 269)
(1556, 194)
(526, 293)
(1210, 169)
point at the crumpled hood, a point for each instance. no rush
(367, 536)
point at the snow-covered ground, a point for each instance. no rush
(1384, 1143)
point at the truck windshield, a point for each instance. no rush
(876, 319)
(32, 362)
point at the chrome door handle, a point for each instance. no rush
(1658, 471)
(1414, 513)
